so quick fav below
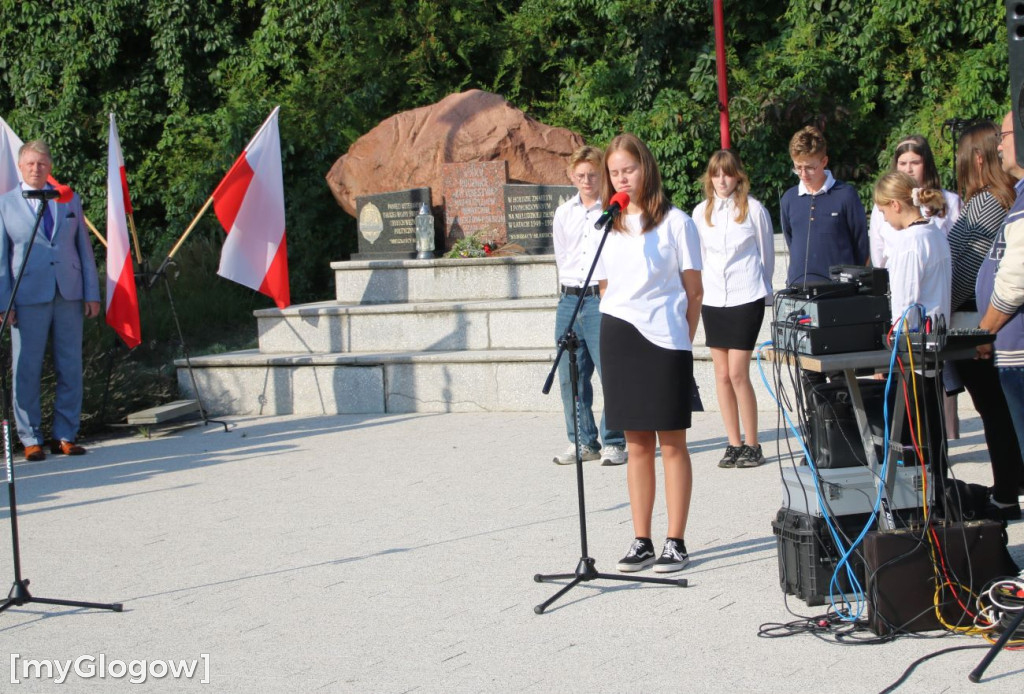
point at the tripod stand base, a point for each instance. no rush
(586, 571)
(1009, 633)
(20, 595)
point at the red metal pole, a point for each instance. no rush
(723, 88)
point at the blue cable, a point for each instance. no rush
(856, 588)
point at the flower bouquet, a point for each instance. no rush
(482, 245)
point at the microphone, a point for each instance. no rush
(44, 194)
(618, 201)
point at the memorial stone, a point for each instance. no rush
(474, 200)
(529, 212)
(387, 223)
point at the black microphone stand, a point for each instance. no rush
(20, 594)
(956, 126)
(990, 655)
(161, 274)
(586, 569)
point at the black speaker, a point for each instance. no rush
(901, 574)
(1015, 36)
(834, 435)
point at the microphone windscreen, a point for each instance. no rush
(621, 198)
(65, 193)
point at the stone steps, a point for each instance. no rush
(506, 380)
(445, 279)
(329, 327)
(167, 412)
(442, 335)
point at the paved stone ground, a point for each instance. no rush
(397, 554)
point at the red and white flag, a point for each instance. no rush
(249, 203)
(122, 299)
(10, 175)
(9, 146)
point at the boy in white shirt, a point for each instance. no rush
(575, 241)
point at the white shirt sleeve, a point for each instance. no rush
(953, 205)
(698, 220)
(766, 245)
(1009, 281)
(688, 242)
(876, 236)
(905, 281)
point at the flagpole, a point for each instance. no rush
(135, 238)
(95, 231)
(161, 273)
(177, 246)
(206, 206)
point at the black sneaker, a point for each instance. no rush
(639, 556)
(750, 456)
(673, 557)
(731, 454)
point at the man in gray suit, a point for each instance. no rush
(59, 287)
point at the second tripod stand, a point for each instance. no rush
(586, 569)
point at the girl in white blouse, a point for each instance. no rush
(913, 157)
(920, 274)
(920, 269)
(738, 252)
(649, 274)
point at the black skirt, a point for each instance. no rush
(733, 327)
(646, 387)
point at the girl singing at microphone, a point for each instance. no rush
(649, 275)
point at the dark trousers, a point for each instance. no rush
(981, 379)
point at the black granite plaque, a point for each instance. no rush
(529, 211)
(387, 223)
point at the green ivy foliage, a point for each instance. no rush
(866, 73)
(191, 80)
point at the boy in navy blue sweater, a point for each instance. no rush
(823, 219)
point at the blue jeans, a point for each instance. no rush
(588, 357)
(1012, 380)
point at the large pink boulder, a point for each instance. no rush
(408, 149)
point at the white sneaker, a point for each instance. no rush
(569, 457)
(613, 455)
